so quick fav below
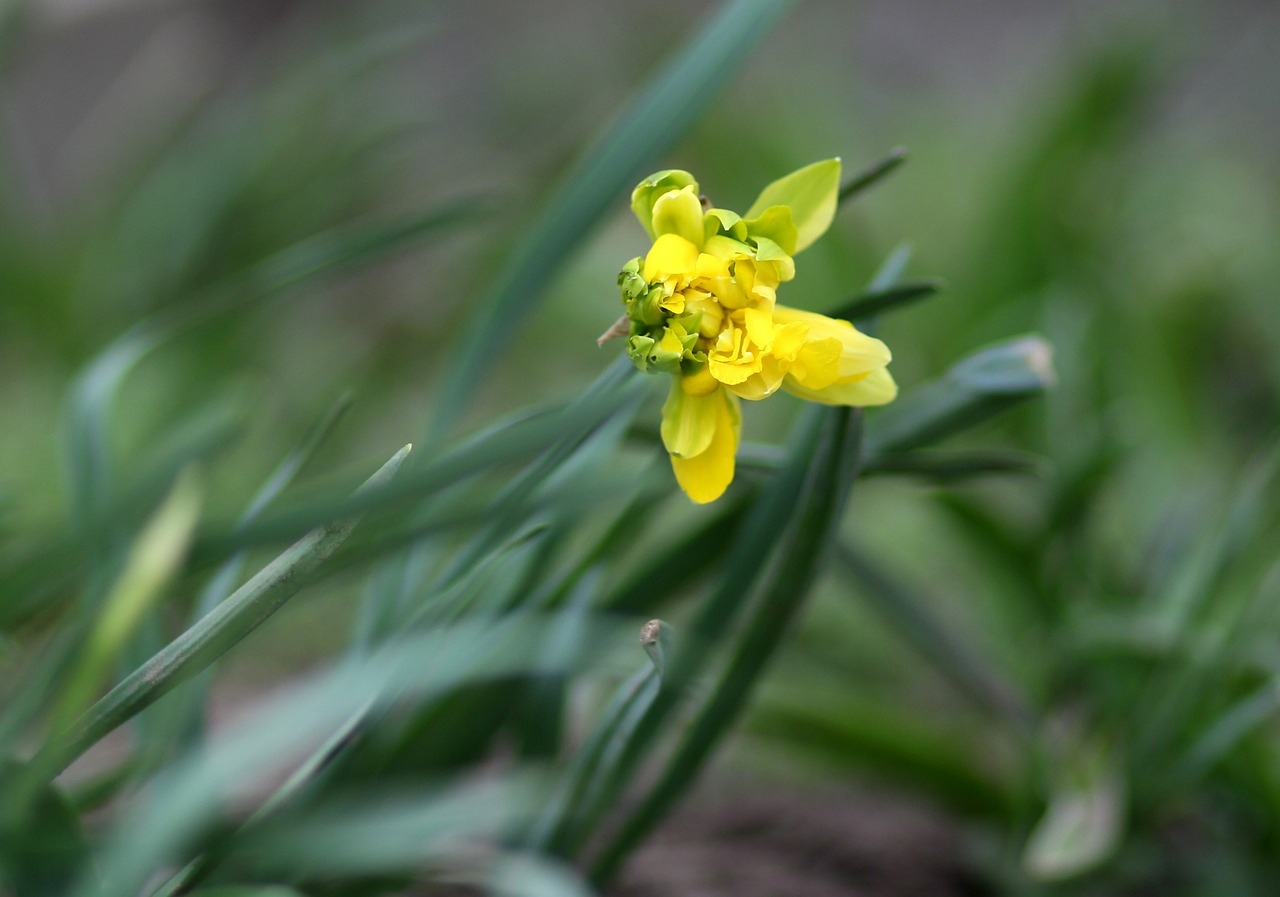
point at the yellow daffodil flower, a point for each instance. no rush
(702, 306)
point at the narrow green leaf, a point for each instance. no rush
(891, 269)
(1083, 823)
(87, 422)
(514, 441)
(212, 636)
(938, 644)
(595, 778)
(946, 466)
(658, 115)
(332, 252)
(978, 387)
(153, 561)
(167, 825)
(871, 176)
(871, 302)
(1228, 729)
(188, 700)
(883, 739)
(43, 848)
(806, 542)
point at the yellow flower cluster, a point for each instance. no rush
(702, 306)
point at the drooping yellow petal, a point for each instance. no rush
(689, 421)
(817, 364)
(705, 476)
(873, 388)
(679, 212)
(859, 353)
(670, 256)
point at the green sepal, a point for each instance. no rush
(723, 221)
(811, 193)
(770, 252)
(646, 310)
(690, 322)
(648, 191)
(775, 223)
(639, 347)
(629, 280)
(665, 360)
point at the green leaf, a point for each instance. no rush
(595, 778)
(948, 466)
(871, 176)
(188, 700)
(247, 891)
(659, 115)
(829, 467)
(912, 618)
(810, 193)
(212, 636)
(43, 849)
(1084, 822)
(1228, 729)
(153, 561)
(188, 797)
(871, 302)
(980, 386)
(881, 738)
(88, 417)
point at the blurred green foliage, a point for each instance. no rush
(1058, 624)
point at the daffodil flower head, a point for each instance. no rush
(702, 307)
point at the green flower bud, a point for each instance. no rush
(639, 347)
(630, 281)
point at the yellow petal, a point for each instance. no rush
(726, 248)
(873, 388)
(679, 212)
(760, 385)
(817, 364)
(731, 373)
(759, 324)
(704, 477)
(688, 421)
(859, 353)
(670, 255)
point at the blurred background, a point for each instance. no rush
(1104, 174)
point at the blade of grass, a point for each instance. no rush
(807, 541)
(589, 786)
(188, 700)
(871, 302)
(153, 562)
(978, 387)
(911, 617)
(217, 632)
(515, 442)
(954, 465)
(652, 122)
(872, 175)
(186, 798)
(749, 546)
(89, 452)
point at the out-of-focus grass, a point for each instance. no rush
(1098, 628)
